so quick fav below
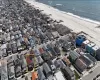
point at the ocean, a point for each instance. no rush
(85, 8)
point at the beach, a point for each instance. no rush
(75, 23)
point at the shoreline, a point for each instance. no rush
(83, 18)
(72, 14)
(77, 24)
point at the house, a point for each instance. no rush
(46, 69)
(41, 75)
(68, 73)
(80, 66)
(87, 61)
(55, 34)
(74, 55)
(91, 58)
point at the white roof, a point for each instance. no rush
(86, 42)
(3, 46)
(55, 33)
(0, 30)
(95, 48)
(82, 53)
(91, 44)
(12, 37)
(59, 76)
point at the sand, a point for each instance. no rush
(73, 22)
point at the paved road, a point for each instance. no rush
(93, 74)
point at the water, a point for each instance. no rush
(84, 8)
